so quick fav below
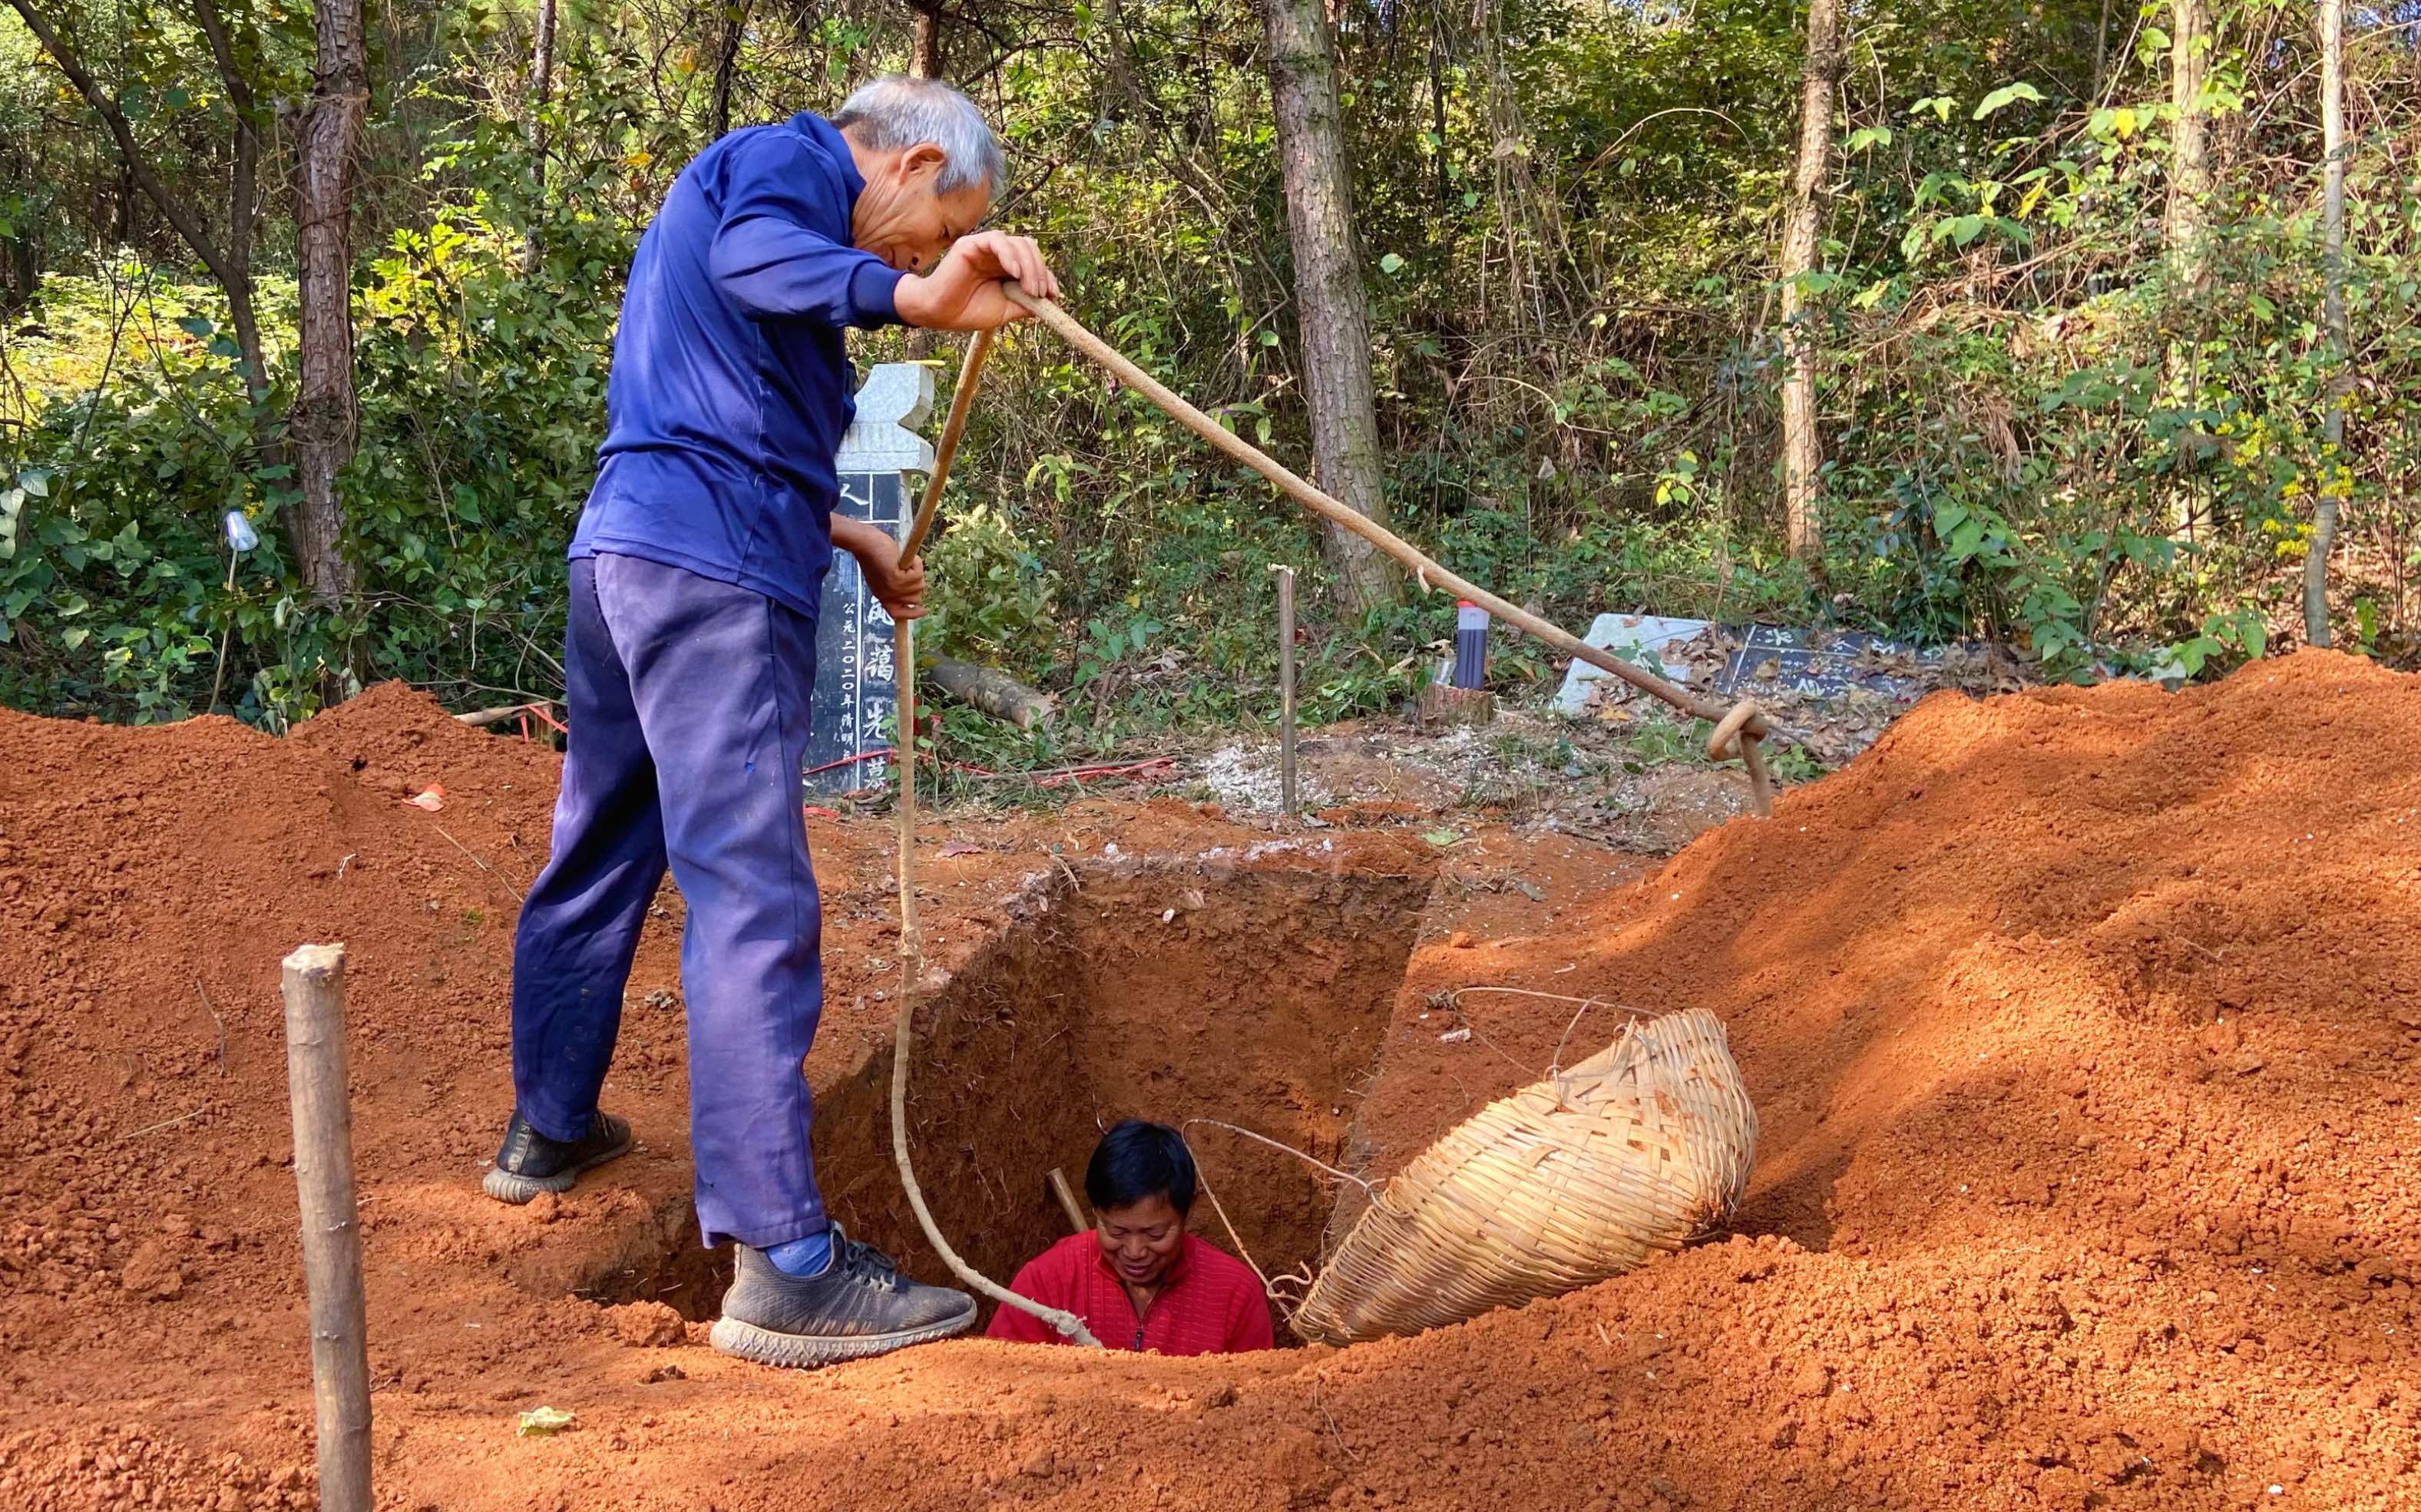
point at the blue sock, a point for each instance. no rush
(806, 1256)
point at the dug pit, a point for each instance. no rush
(1173, 990)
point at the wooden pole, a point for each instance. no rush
(1430, 575)
(1077, 1222)
(1286, 690)
(912, 946)
(314, 983)
(962, 399)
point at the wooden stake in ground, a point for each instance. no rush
(331, 1240)
(1286, 690)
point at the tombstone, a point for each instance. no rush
(880, 460)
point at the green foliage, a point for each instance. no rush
(1568, 213)
(993, 600)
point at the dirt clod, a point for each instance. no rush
(152, 1272)
(644, 1325)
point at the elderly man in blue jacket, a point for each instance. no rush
(695, 574)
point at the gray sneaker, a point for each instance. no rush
(859, 1305)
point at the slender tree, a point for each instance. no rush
(542, 77)
(1330, 306)
(923, 40)
(1803, 447)
(324, 420)
(541, 90)
(2184, 226)
(2333, 302)
(2185, 217)
(925, 62)
(726, 70)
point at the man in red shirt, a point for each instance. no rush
(1139, 1280)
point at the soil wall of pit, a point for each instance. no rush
(1170, 991)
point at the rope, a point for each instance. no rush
(912, 950)
(1269, 1288)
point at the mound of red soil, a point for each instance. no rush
(2082, 1025)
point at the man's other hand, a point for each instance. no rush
(964, 293)
(900, 590)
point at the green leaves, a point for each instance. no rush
(1391, 264)
(1962, 229)
(32, 483)
(2005, 95)
(2114, 123)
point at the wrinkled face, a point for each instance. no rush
(900, 219)
(1141, 1240)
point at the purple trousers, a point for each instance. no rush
(688, 702)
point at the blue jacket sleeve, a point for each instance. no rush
(769, 257)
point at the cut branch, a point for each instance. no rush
(989, 691)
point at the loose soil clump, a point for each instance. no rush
(2082, 1026)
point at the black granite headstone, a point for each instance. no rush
(851, 733)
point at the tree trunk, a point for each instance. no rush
(1124, 93)
(1803, 448)
(924, 62)
(1437, 121)
(1329, 301)
(243, 198)
(924, 42)
(2183, 224)
(324, 415)
(542, 80)
(2331, 486)
(2100, 55)
(726, 70)
(541, 90)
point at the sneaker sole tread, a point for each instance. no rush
(504, 1186)
(802, 1351)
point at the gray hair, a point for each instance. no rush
(899, 112)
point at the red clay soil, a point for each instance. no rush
(2082, 1025)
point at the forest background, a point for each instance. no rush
(2083, 328)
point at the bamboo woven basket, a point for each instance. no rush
(1643, 1146)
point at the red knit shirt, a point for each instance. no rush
(1208, 1302)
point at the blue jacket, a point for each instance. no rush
(731, 386)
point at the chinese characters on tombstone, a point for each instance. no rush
(880, 462)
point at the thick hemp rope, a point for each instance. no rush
(912, 953)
